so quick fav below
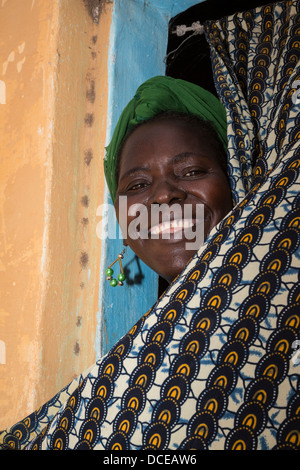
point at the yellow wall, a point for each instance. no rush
(53, 99)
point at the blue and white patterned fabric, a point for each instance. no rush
(214, 364)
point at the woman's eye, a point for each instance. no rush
(194, 173)
(136, 186)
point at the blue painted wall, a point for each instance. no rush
(138, 43)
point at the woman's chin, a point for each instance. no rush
(171, 270)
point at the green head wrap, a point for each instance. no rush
(156, 95)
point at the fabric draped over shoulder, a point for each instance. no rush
(213, 364)
(157, 95)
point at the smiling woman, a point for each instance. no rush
(173, 163)
(169, 151)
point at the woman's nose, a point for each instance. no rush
(165, 192)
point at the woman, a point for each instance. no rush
(211, 365)
(173, 160)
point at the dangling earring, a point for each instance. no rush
(109, 272)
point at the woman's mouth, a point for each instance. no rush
(172, 227)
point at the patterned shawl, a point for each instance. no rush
(214, 365)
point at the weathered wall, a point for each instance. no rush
(53, 107)
(138, 46)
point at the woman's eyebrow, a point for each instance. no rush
(133, 171)
(176, 159)
(185, 155)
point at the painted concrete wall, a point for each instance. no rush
(138, 45)
(53, 107)
(67, 68)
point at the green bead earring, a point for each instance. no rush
(109, 272)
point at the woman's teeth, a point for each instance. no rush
(171, 226)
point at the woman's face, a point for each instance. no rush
(170, 163)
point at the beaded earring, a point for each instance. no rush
(109, 272)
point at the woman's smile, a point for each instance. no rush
(166, 165)
(172, 226)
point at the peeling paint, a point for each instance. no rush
(21, 47)
(2, 352)
(10, 58)
(85, 201)
(84, 259)
(95, 8)
(90, 93)
(88, 155)
(2, 92)
(20, 64)
(77, 348)
(89, 119)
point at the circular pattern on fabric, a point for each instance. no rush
(234, 353)
(111, 366)
(186, 291)
(89, 432)
(125, 422)
(96, 409)
(281, 341)
(103, 387)
(252, 415)
(239, 255)
(255, 306)
(245, 329)
(118, 441)
(156, 436)
(151, 354)
(134, 398)
(229, 276)
(290, 432)
(241, 438)
(186, 365)
(176, 387)
(166, 411)
(217, 297)
(59, 440)
(206, 319)
(161, 333)
(204, 425)
(273, 366)
(195, 342)
(214, 400)
(266, 283)
(262, 390)
(143, 376)
(193, 443)
(224, 377)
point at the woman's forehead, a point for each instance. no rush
(173, 138)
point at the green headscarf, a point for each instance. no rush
(154, 96)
